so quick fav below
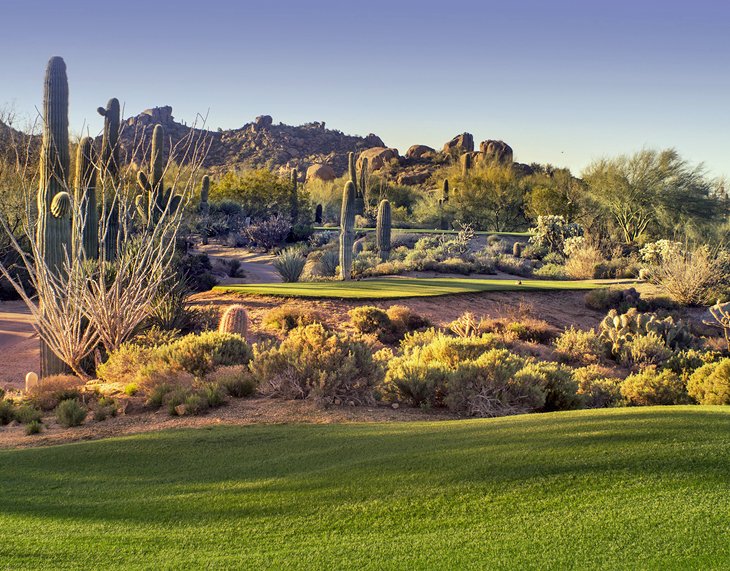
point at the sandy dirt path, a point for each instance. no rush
(19, 346)
(256, 266)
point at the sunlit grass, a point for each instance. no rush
(612, 489)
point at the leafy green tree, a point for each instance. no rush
(653, 193)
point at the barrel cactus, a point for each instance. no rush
(54, 203)
(347, 230)
(383, 230)
(155, 201)
(234, 320)
(517, 249)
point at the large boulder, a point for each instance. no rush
(460, 144)
(321, 172)
(377, 157)
(263, 122)
(418, 151)
(496, 151)
(413, 178)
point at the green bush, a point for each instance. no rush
(200, 354)
(70, 412)
(157, 395)
(236, 381)
(597, 387)
(561, 390)
(123, 364)
(289, 264)
(710, 384)
(644, 350)
(687, 361)
(551, 272)
(417, 383)
(54, 389)
(25, 414)
(34, 427)
(652, 387)
(373, 320)
(288, 316)
(104, 408)
(313, 362)
(404, 319)
(578, 346)
(7, 412)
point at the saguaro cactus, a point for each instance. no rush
(293, 198)
(85, 196)
(363, 184)
(109, 174)
(443, 201)
(155, 200)
(318, 214)
(347, 230)
(359, 199)
(54, 203)
(204, 208)
(383, 230)
(466, 164)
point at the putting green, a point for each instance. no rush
(394, 288)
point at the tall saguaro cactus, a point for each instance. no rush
(54, 203)
(443, 202)
(85, 196)
(204, 192)
(347, 230)
(466, 164)
(293, 197)
(383, 230)
(155, 200)
(108, 177)
(352, 169)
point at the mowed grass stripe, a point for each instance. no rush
(612, 489)
(394, 288)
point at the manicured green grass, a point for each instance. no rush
(431, 231)
(613, 489)
(393, 288)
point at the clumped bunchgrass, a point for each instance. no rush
(70, 412)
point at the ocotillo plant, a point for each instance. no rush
(155, 200)
(109, 175)
(383, 230)
(54, 203)
(85, 197)
(347, 230)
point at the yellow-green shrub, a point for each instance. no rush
(710, 384)
(652, 387)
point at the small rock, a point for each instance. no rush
(338, 402)
(350, 403)
(395, 406)
(181, 409)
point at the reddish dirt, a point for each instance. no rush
(19, 344)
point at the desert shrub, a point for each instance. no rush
(123, 364)
(289, 264)
(417, 383)
(34, 427)
(532, 330)
(236, 381)
(710, 384)
(154, 337)
(551, 272)
(490, 386)
(25, 414)
(652, 387)
(371, 319)
(268, 232)
(131, 389)
(418, 339)
(54, 389)
(325, 263)
(157, 394)
(644, 350)
(288, 316)
(403, 239)
(364, 263)
(104, 408)
(317, 363)
(450, 351)
(687, 361)
(514, 266)
(159, 373)
(690, 277)
(201, 354)
(578, 346)
(597, 387)
(7, 412)
(70, 412)
(581, 263)
(603, 299)
(554, 259)
(320, 239)
(561, 390)
(404, 319)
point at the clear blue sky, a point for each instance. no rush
(562, 81)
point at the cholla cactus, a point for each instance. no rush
(552, 231)
(618, 329)
(234, 320)
(721, 314)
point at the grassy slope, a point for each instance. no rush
(392, 288)
(618, 489)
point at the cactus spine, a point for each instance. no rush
(54, 203)
(234, 320)
(293, 198)
(383, 228)
(109, 172)
(86, 197)
(155, 201)
(347, 230)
